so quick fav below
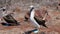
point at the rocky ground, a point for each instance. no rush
(21, 7)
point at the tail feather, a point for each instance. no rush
(44, 25)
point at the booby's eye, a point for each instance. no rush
(3, 9)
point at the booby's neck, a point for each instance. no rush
(32, 12)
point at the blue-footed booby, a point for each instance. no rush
(34, 20)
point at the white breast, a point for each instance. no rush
(33, 20)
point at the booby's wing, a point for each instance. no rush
(42, 22)
(10, 19)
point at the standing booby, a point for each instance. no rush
(35, 21)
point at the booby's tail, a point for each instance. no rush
(44, 25)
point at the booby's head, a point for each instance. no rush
(32, 12)
(31, 6)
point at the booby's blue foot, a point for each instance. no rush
(35, 31)
(10, 24)
(6, 24)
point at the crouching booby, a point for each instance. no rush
(10, 21)
(35, 21)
